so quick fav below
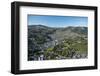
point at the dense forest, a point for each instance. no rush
(51, 43)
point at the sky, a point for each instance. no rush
(57, 21)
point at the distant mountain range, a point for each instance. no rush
(42, 37)
(58, 33)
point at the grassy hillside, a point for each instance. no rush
(46, 43)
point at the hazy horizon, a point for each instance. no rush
(58, 21)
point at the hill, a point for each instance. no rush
(46, 43)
